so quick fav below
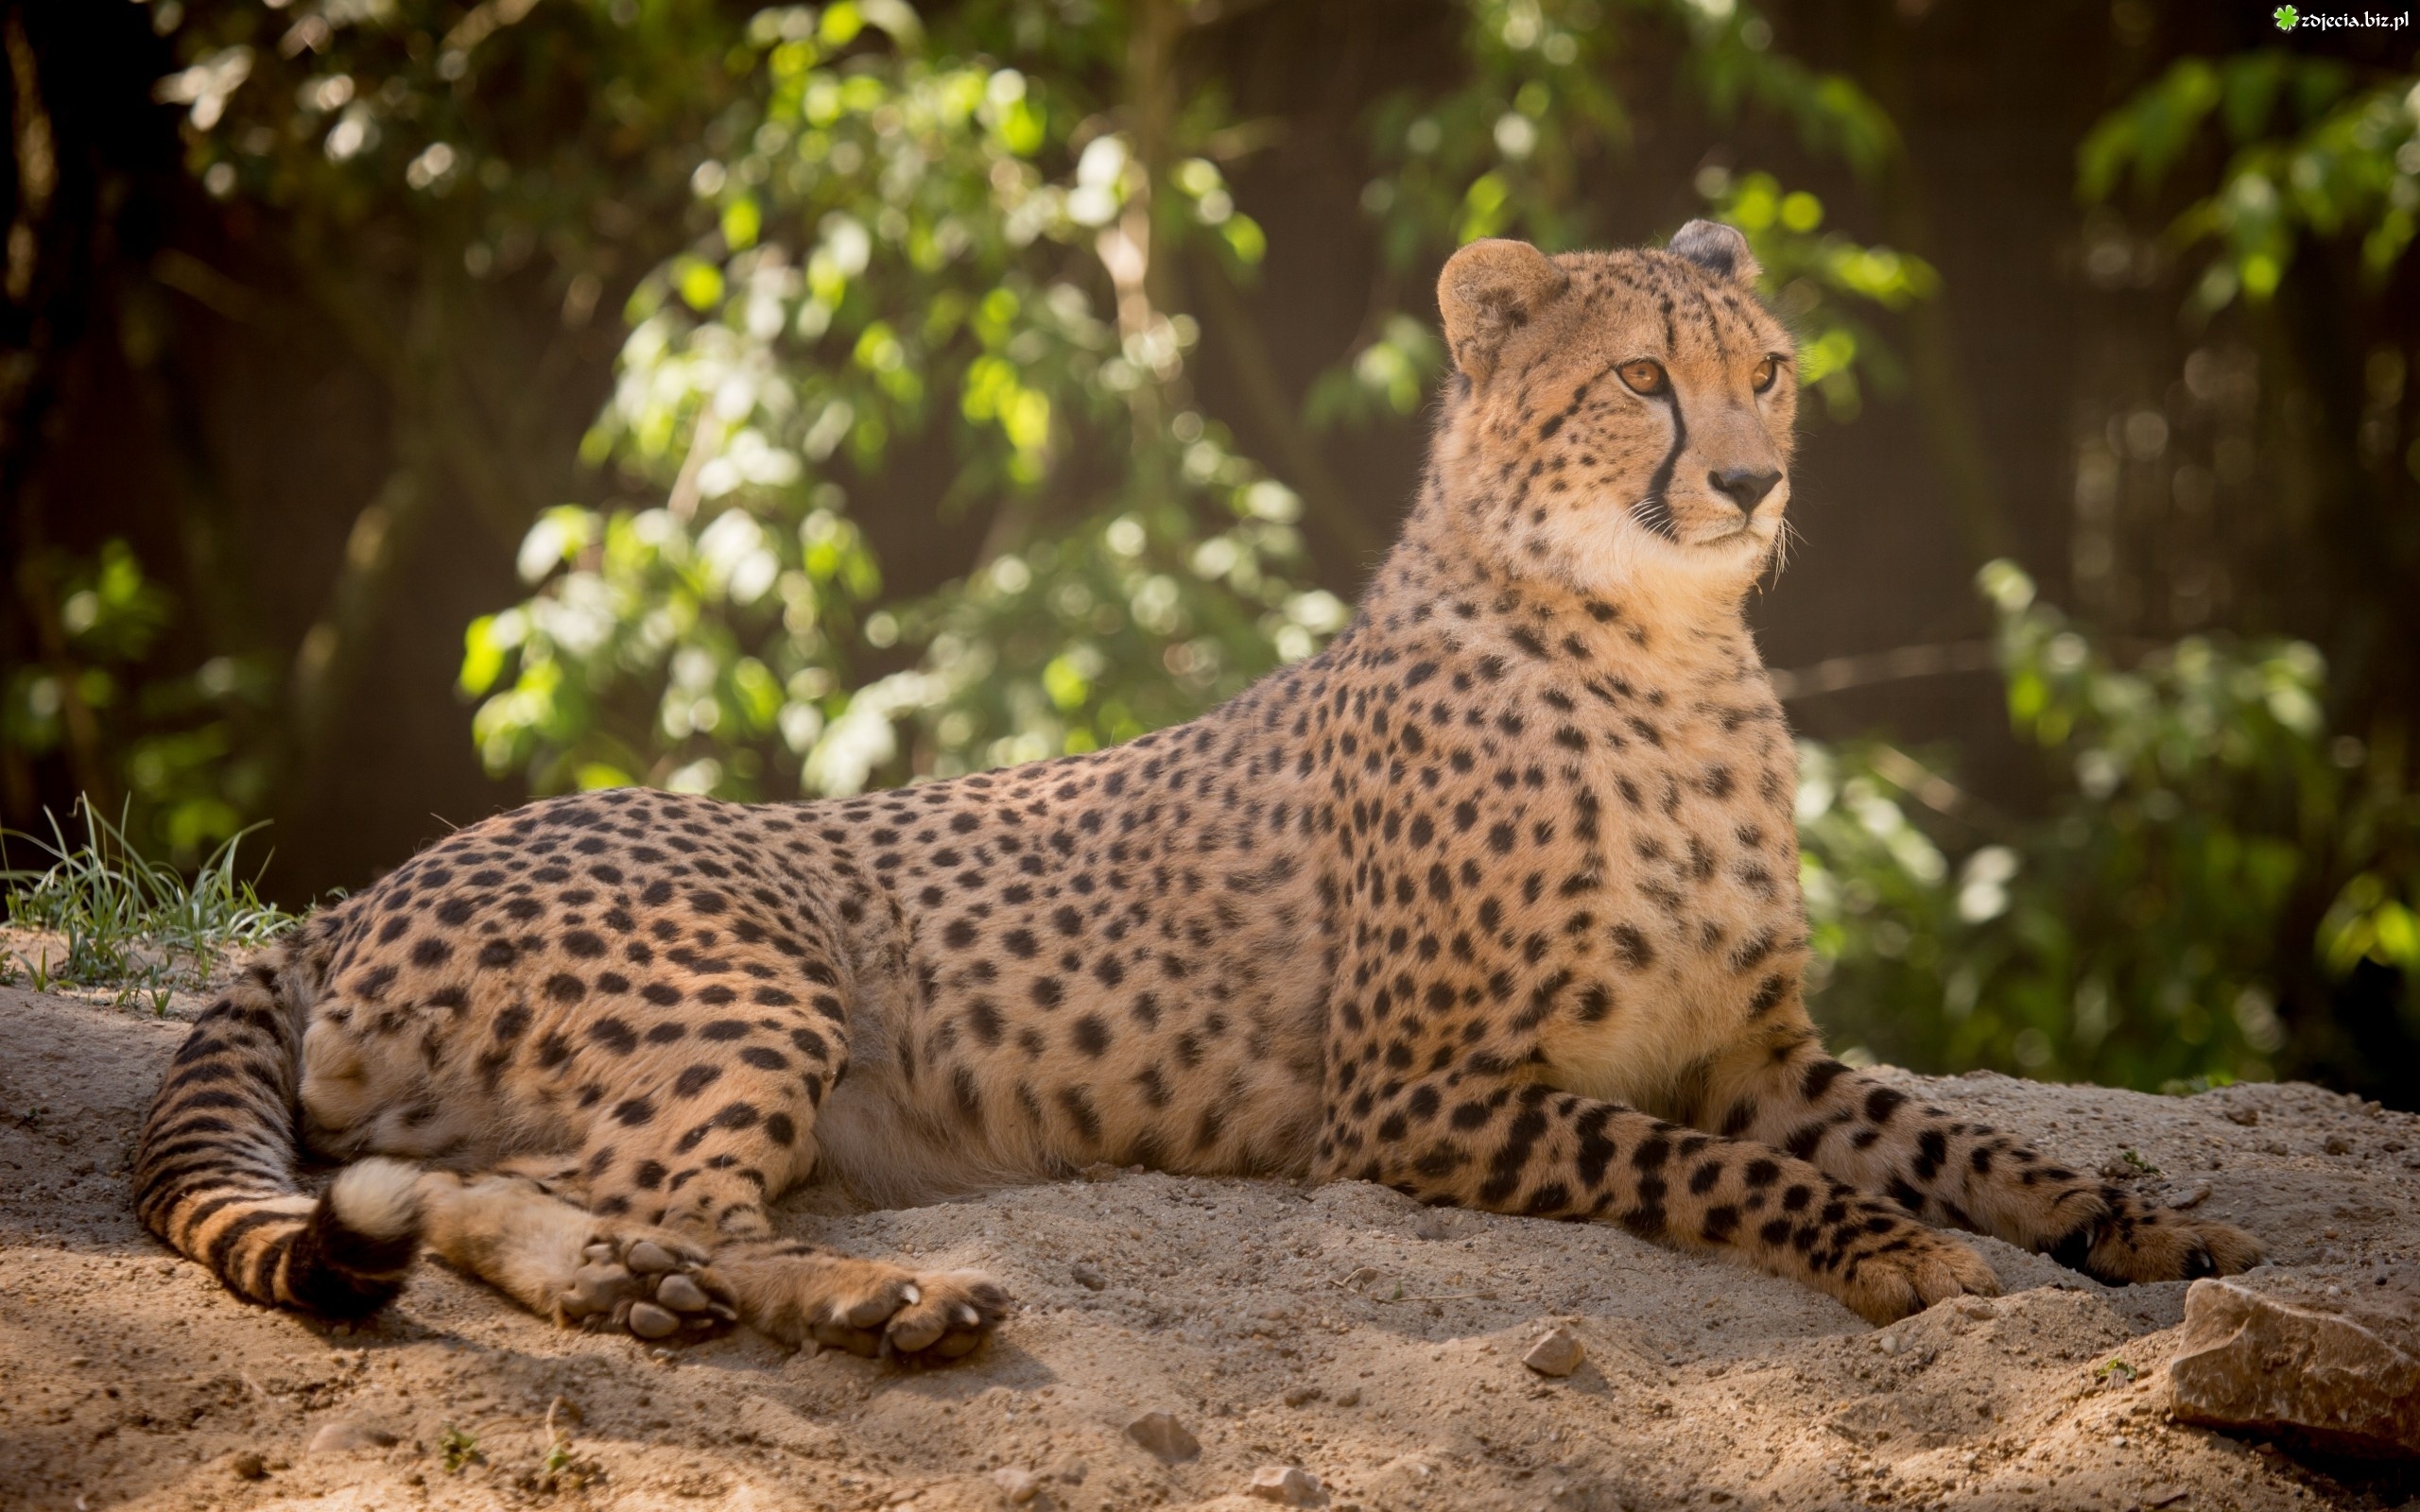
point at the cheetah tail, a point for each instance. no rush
(214, 1170)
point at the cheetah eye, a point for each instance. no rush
(1645, 376)
(1766, 373)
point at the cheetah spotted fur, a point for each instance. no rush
(1493, 900)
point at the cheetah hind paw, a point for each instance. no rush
(1911, 1268)
(869, 1308)
(644, 1286)
(918, 1320)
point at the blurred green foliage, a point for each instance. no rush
(910, 242)
(2314, 149)
(172, 743)
(2130, 927)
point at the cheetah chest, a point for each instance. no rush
(1696, 921)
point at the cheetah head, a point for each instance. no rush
(1621, 421)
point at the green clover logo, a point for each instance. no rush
(2286, 17)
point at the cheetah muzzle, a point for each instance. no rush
(1493, 900)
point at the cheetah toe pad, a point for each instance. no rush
(647, 1287)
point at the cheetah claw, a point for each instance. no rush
(645, 1287)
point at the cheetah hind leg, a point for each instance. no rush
(568, 1264)
(803, 1295)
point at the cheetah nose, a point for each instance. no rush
(1744, 485)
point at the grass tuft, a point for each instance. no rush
(135, 927)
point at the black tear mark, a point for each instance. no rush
(1654, 511)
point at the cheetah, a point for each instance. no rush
(1493, 900)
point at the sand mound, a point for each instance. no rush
(1341, 1330)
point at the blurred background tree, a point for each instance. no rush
(412, 406)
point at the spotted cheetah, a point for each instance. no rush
(1495, 900)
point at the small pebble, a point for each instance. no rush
(1087, 1276)
(1297, 1396)
(1017, 1484)
(344, 1437)
(1349, 1397)
(247, 1466)
(1286, 1485)
(2339, 1144)
(1557, 1352)
(1166, 1439)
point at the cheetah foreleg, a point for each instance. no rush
(1548, 1153)
(1860, 1129)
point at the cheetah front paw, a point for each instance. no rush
(2132, 1241)
(1904, 1267)
(653, 1287)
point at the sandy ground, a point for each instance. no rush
(1343, 1329)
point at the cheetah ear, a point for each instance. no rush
(1489, 290)
(1718, 249)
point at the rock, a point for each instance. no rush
(343, 1436)
(248, 1466)
(1297, 1396)
(1557, 1352)
(1287, 1487)
(1088, 1278)
(1349, 1397)
(2258, 1362)
(1163, 1437)
(1018, 1484)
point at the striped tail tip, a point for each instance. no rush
(350, 1256)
